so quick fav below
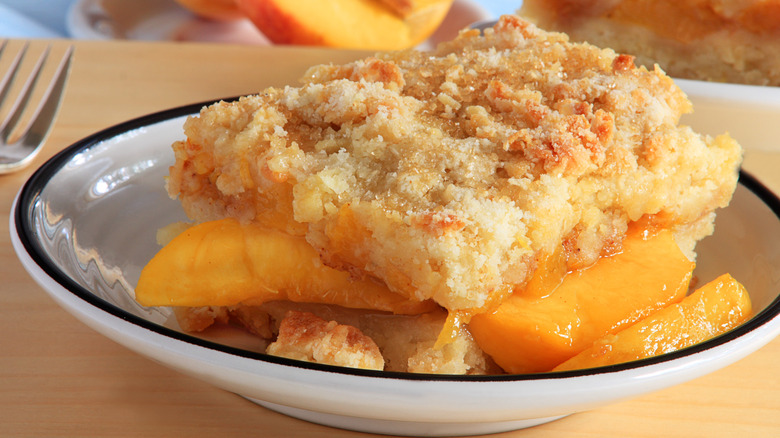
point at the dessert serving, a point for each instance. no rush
(714, 40)
(504, 203)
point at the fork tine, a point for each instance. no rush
(12, 69)
(21, 101)
(43, 118)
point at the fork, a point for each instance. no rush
(18, 152)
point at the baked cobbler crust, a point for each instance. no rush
(715, 40)
(449, 174)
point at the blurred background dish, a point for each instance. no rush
(716, 40)
(168, 20)
(153, 20)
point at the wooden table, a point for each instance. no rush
(60, 378)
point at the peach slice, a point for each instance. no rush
(223, 263)
(529, 334)
(713, 309)
(356, 24)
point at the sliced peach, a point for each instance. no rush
(713, 309)
(550, 271)
(357, 24)
(528, 334)
(223, 263)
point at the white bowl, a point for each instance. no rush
(84, 226)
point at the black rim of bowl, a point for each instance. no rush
(32, 189)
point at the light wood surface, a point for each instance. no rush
(60, 378)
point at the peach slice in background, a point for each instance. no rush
(355, 24)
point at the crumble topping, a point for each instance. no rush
(449, 174)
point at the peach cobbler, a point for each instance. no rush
(715, 40)
(495, 205)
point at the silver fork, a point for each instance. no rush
(16, 153)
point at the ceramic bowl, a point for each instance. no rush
(84, 226)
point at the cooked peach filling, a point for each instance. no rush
(224, 263)
(716, 307)
(631, 302)
(531, 334)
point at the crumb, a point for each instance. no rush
(197, 319)
(304, 336)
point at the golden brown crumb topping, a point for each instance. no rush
(304, 336)
(449, 174)
(406, 342)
